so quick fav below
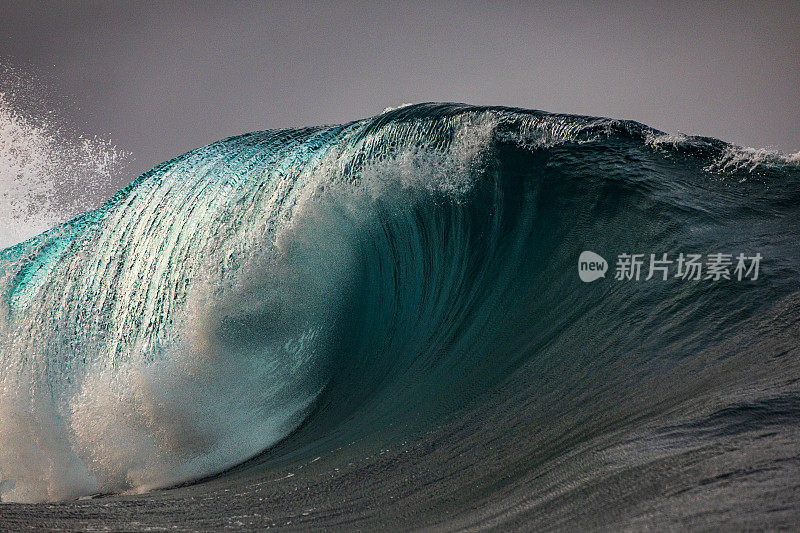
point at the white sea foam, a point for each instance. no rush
(743, 158)
(47, 173)
(732, 157)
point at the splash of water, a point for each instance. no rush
(48, 173)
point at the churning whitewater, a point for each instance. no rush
(384, 320)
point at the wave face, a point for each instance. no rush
(385, 318)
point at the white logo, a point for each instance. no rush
(717, 267)
(591, 266)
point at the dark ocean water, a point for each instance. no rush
(382, 325)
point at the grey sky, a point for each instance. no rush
(160, 79)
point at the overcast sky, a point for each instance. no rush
(161, 78)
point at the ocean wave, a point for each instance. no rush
(328, 299)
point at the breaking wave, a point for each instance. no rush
(405, 286)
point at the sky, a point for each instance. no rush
(158, 79)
